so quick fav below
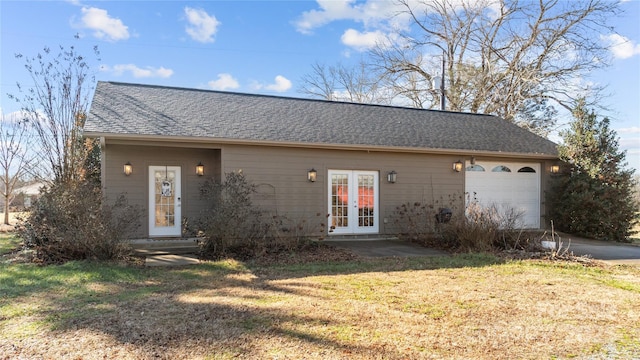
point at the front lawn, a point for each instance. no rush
(461, 307)
(8, 242)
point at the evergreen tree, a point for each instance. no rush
(595, 197)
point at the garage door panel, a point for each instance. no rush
(519, 191)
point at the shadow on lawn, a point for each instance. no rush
(221, 308)
(356, 265)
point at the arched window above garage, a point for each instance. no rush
(474, 168)
(526, 169)
(500, 168)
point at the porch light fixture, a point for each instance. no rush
(200, 169)
(457, 166)
(128, 168)
(555, 169)
(392, 176)
(312, 175)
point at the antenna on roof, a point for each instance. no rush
(442, 90)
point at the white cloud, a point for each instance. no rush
(104, 26)
(329, 11)
(202, 26)
(362, 41)
(629, 143)
(137, 72)
(621, 47)
(224, 82)
(629, 130)
(15, 116)
(370, 13)
(281, 84)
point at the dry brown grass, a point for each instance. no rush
(422, 308)
(14, 218)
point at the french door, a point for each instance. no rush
(353, 201)
(165, 217)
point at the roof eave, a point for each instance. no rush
(204, 141)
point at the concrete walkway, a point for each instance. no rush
(613, 253)
(382, 248)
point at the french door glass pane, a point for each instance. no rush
(165, 198)
(340, 200)
(366, 200)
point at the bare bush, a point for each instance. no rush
(291, 232)
(477, 228)
(415, 221)
(71, 222)
(420, 222)
(231, 222)
(484, 228)
(234, 226)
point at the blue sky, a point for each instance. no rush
(252, 46)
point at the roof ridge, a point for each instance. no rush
(292, 98)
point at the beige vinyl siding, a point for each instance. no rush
(282, 174)
(545, 187)
(135, 186)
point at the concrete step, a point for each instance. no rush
(363, 237)
(171, 260)
(148, 247)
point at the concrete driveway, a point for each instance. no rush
(382, 248)
(611, 252)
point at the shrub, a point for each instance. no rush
(478, 228)
(231, 222)
(421, 222)
(233, 226)
(594, 198)
(71, 222)
(416, 222)
(483, 228)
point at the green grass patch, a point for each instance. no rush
(24, 279)
(629, 342)
(435, 312)
(8, 243)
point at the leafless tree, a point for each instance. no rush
(503, 57)
(56, 105)
(15, 158)
(341, 83)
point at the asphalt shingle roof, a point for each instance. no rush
(132, 109)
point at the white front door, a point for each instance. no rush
(165, 218)
(353, 201)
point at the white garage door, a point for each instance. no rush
(507, 186)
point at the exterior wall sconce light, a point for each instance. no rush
(392, 176)
(200, 169)
(457, 166)
(555, 169)
(128, 168)
(312, 175)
